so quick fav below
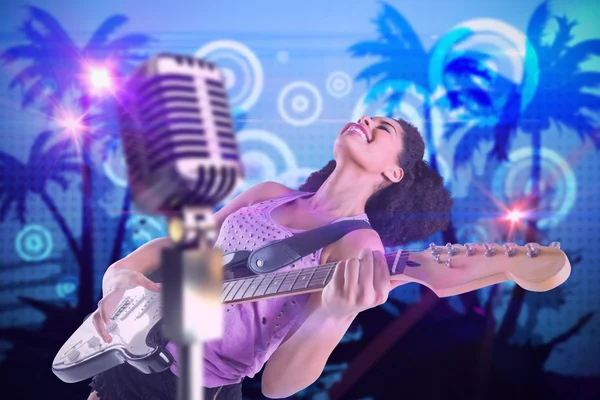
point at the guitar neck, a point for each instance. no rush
(448, 271)
(305, 280)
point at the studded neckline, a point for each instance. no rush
(295, 196)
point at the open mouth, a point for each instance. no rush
(356, 129)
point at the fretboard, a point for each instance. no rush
(302, 280)
(277, 284)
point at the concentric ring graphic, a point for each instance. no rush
(34, 243)
(241, 68)
(339, 84)
(299, 103)
(558, 184)
(507, 52)
(115, 166)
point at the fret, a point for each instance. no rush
(245, 286)
(236, 287)
(262, 287)
(304, 278)
(253, 286)
(328, 276)
(318, 278)
(288, 282)
(226, 285)
(230, 286)
(274, 286)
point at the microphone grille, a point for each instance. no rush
(178, 134)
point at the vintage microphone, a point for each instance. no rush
(182, 160)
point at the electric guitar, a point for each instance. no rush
(446, 270)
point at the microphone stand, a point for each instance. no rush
(192, 287)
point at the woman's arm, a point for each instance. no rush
(146, 258)
(301, 358)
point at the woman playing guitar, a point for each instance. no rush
(378, 175)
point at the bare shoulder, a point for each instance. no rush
(267, 190)
(257, 193)
(352, 243)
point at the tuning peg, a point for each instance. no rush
(555, 245)
(470, 250)
(489, 250)
(510, 249)
(533, 249)
(452, 250)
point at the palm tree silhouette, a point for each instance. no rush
(560, 99)
(45, 165)
(403, 59)
(560, 77)
(58, 67)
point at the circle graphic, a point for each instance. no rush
(487, 47)
(33, 243)
(300, 103)
(482, 231)
(339, 84)
(258, 167)
(115, 166)
(558, 184)
(472, 234)
(241, 69)
(294, 178)
(66, 287)
(264, 155)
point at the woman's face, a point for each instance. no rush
(373, 144)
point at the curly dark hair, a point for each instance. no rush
(410, 210)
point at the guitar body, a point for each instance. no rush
(135, 328)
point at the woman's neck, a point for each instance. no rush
(343, 194)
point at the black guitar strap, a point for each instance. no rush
(276, 255)
(281, 253)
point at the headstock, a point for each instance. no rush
(454, 269)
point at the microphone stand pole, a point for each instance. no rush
(192, 287)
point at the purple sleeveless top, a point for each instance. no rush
(254, 330)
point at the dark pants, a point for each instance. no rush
(124, 382)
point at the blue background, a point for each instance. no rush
(307, 42)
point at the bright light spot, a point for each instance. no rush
(100, 79)
(71, 124)
(515, 215)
